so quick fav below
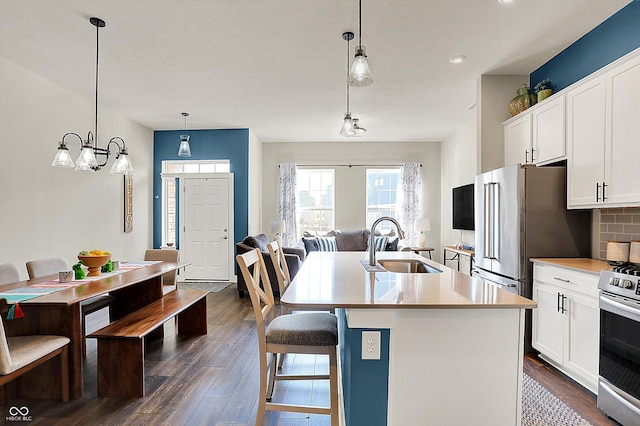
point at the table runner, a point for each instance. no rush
(16, 295)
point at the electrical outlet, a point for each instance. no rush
(370, 345)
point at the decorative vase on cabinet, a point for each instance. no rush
(544, 94)
(522, 101)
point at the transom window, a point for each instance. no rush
(383, 187)
(315, 200)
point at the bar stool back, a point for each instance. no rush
(303, 333)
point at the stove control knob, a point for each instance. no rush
(626, 284)
(614, 281)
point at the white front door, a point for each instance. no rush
(206, 212)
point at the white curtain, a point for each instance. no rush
(409, 201)
(287, 210)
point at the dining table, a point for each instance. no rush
(52, 307)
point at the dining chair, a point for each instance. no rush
(170, 255)
(52, 265)
(304, 333)
(9, 273)
(20, 354)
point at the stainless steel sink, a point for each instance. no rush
(408, 266)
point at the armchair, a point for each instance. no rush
(294, 257)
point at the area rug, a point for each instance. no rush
(213, 287)
(542, 408)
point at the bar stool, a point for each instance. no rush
(303, 333)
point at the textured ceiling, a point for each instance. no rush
(278, 66)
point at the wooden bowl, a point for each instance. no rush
(94, 263)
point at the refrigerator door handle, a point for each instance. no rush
(488, 223)
(491, 226)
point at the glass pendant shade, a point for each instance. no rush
(122, 165)
(62, 158)
(347, 126)
(360, 74)
(184, 150)
(86, 162)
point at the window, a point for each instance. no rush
(314, 198)
(383, 186)
(171, 171)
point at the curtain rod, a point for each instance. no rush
(349, 165)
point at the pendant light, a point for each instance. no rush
(347, 124)
(350, 125)
(360, 74)
(184, 150)
(88, 161)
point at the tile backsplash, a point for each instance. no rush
(621, 224)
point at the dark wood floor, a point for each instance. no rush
(213, 380)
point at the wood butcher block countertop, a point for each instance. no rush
(591, 266)
(339, 280)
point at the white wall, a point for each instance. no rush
(459, 167)
(494, 93)
(350, 197)
(255, 186)
(47, 211)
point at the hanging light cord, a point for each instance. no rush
(95, 139)
(348, 41)
(360, 24)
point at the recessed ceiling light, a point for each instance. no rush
(505, 1)
(457, 59)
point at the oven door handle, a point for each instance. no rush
(621, 308)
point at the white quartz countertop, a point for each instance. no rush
(338, 280)
(591, 266)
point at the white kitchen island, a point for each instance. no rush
(452, 346)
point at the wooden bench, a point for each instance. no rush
(121, 343)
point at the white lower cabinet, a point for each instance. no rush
(566, 323)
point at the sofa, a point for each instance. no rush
(349, 240)
(294, 257)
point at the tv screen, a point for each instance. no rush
(463, 208)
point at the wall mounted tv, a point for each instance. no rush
(463, 208)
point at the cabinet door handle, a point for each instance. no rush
(597, 192)
(563, 299)
(532, 151)
(604, 189)
(558, 302)
(561, 279)
(526, 156)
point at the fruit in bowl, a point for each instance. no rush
(94, 260)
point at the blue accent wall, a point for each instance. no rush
(365, 383)
(612, 39)
(224, 144)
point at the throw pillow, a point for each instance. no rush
(381, 242)
(310, 244)
(327, 243)
(392, 245)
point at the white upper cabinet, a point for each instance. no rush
(603, 128)
(548, 130)
(517, 137)
(585, 140)
(537, 135)
(622, 174)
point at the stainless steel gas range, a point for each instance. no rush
(619, 381)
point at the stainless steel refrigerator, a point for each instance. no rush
(520, 213)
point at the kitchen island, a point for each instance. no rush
(451, 346)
